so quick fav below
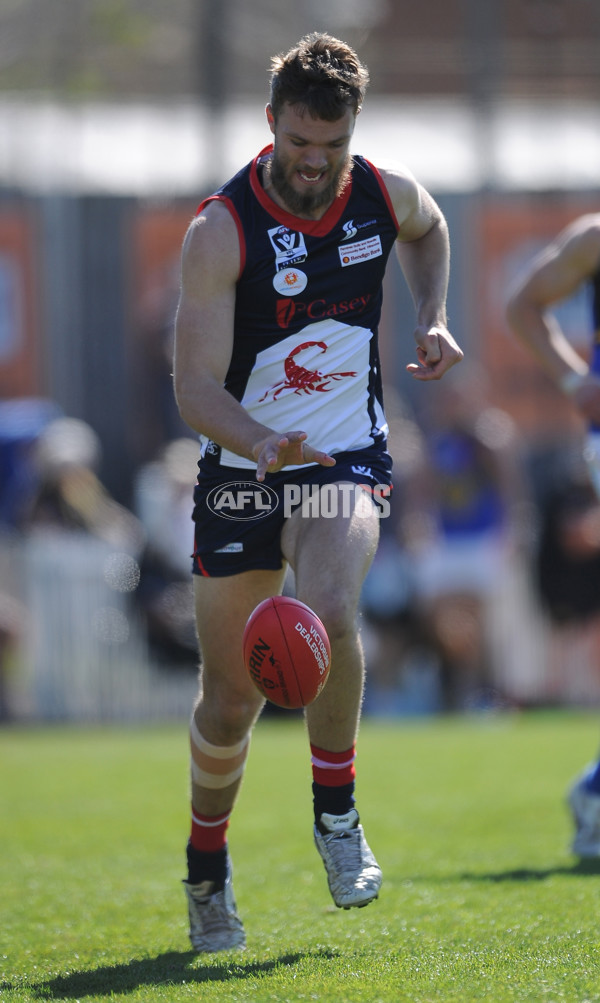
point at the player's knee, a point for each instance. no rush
(338, 613)
(232, 711)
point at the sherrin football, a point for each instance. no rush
(287, 652)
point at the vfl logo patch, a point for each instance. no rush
(242, 501)
(289, 246)
(362, 250)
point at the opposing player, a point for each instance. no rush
(569, 262)
(277, 369)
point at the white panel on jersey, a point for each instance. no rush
(316, 381)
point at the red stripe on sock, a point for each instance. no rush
(333, 769)
(209, 833)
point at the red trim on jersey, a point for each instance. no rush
(384, 192)
(313, 227)
(236, 219)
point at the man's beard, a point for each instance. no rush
(307, 203)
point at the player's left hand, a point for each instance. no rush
(437, 351)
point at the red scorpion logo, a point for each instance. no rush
(302, 380)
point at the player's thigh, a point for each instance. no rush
(223, 605)
(330, 556)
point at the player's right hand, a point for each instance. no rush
(291, 449)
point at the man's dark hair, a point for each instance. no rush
(320, 73)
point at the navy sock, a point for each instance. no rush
(333, 800)
(592, 780)
(204, 866)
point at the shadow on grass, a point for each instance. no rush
(577, 869)
(171, 968)
(517, 874)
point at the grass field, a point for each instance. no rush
(481, 899)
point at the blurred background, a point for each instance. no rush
(116, 118)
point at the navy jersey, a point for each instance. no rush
(308, 304)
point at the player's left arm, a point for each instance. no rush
(423, 250)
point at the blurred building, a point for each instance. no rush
(153, 49)
(159, 98)
(117, 118)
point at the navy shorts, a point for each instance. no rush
(238, 520)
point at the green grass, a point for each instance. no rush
(481, 899)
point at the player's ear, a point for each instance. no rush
(270, 118)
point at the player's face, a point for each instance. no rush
(311, 160)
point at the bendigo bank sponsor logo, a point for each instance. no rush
(298, 310)
(242, 501)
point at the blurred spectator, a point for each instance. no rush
(401, 676)
(67, 493)
(80, 553)
(163, 502)
(157, 419)
(12, 625)
(463, 522)
(22, 420)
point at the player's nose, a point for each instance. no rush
(315, 159)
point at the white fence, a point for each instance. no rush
(82, 655)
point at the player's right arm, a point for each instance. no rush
(555, 274)
(204, 343)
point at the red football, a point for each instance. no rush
(287, 652)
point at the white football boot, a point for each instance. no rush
(353, 874)
(214, 922)
(585, 807)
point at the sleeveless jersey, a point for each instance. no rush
(308, 304)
